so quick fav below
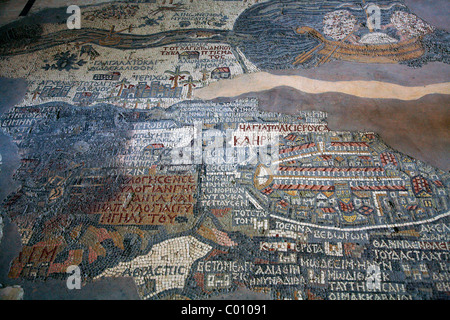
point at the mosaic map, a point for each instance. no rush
(143, 153)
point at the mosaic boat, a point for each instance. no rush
(368, 53)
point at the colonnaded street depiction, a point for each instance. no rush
(224, 149)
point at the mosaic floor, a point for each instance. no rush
(225, 149)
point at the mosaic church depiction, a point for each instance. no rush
(201, 148)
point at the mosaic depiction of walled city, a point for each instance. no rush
(125, 173)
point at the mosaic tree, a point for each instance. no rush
(177, 75)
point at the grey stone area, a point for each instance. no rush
(272, 44)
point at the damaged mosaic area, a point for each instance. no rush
(125, 173)
(108, 198)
